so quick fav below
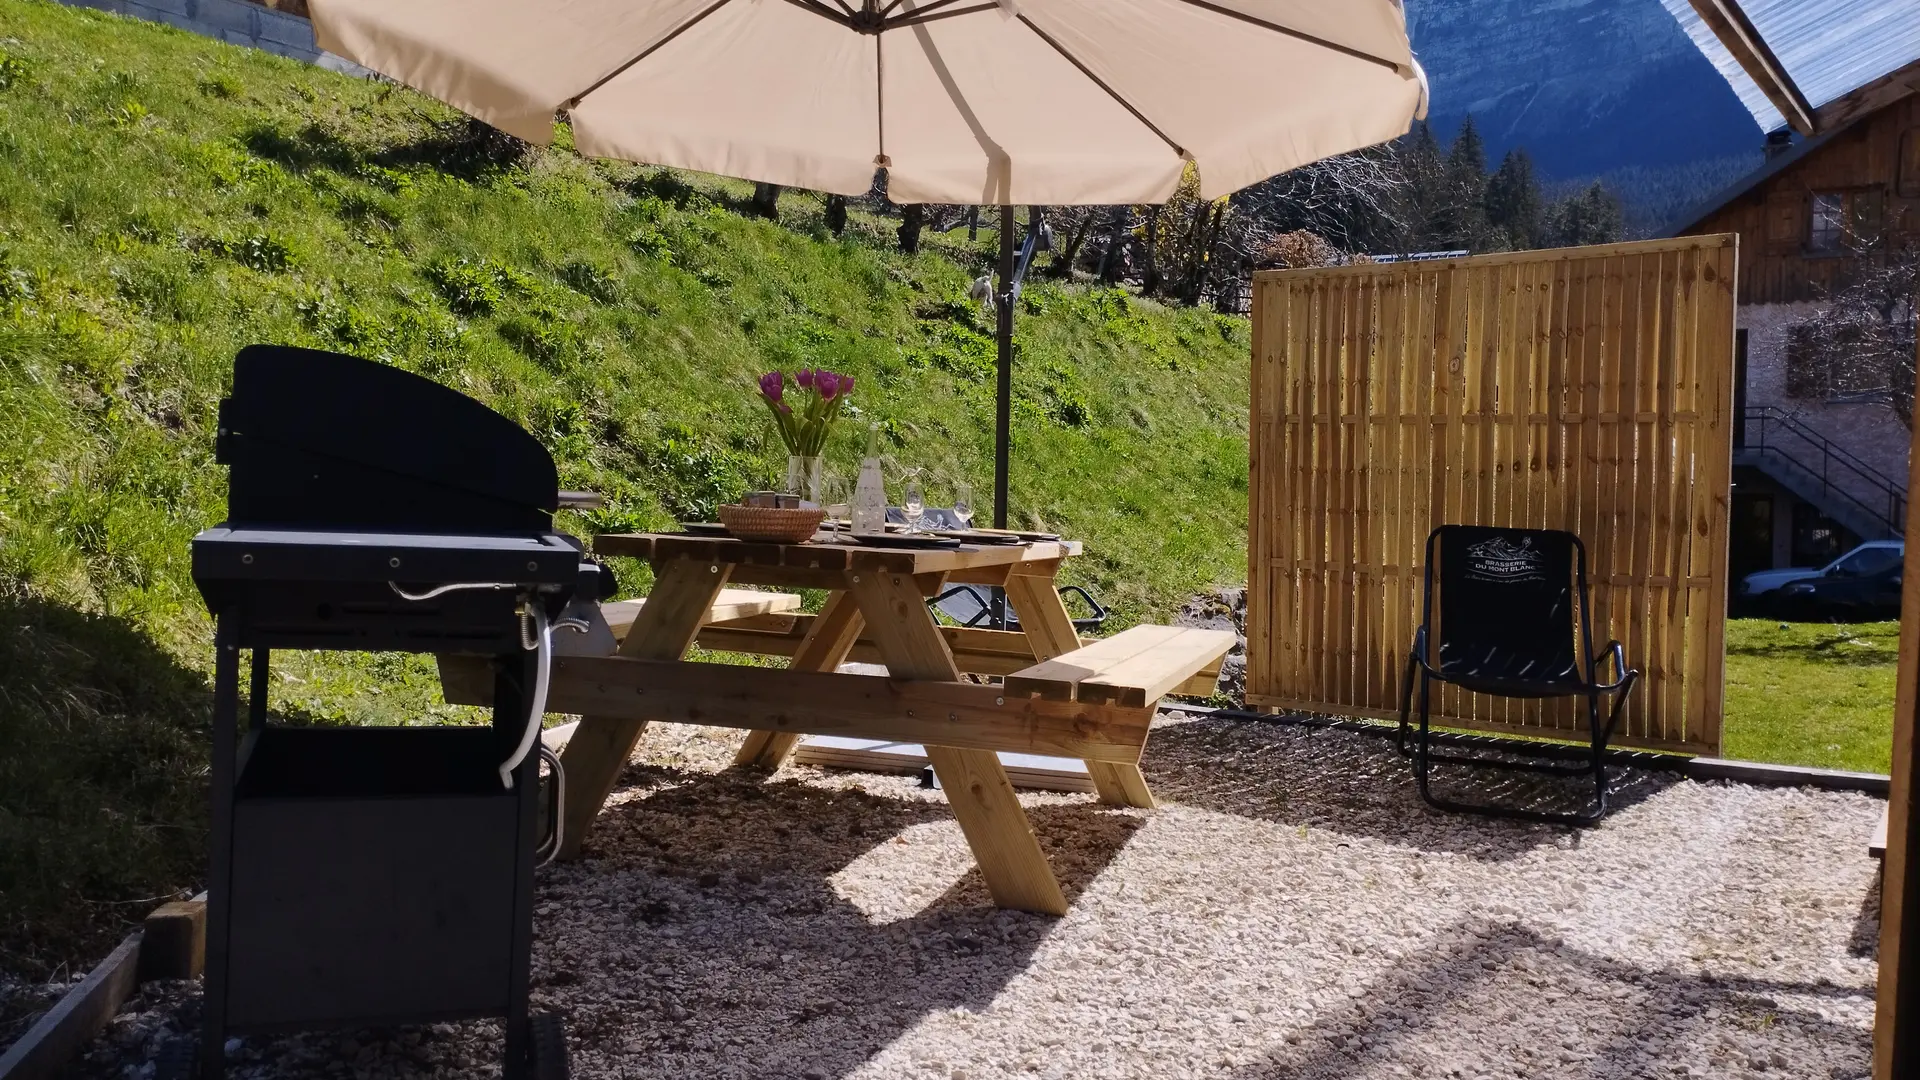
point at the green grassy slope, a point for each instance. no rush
(165, 200)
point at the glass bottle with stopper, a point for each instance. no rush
(870, 493)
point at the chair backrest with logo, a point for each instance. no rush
(1509, 609)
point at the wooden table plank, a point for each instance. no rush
(825, 648)
(1059, 679)
(1048, 624)
(732, 604)
(983, 800)
(659, 547)
(683, 593)
(967, 715)
(1148, 677)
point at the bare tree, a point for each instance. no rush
(1072, 225)
(766, 201)
(1862, 341)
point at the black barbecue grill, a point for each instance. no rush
(378, 875)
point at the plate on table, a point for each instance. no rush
(1017, 536)
(972, 536)
(704, 528)
(904, 540)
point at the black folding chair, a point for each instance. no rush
(1511, 618)
(972, 605)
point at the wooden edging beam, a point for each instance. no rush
(171, 945)
(1754, 772)
(58, 1035)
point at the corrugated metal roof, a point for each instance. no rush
(1829, 47)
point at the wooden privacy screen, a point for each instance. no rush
(1586, 389)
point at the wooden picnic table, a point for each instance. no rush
(1097, 711)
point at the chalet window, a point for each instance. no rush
(1827, 227)
(1842, 221)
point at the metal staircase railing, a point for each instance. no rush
(1842, 475)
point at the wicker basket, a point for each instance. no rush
(768, 525)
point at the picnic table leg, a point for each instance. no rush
(825, 648)
(983, 800)
(683, 591)
(1049, 627)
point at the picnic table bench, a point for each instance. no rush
(1061, 697)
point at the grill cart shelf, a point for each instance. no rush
(376, 875)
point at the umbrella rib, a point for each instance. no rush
(932, 13)
(651, 49)
(824, 11)
(1291, 32)
(1101, 83)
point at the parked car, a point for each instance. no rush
(1759, 591)
(1844, 596)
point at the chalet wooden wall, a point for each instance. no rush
(1879, 156)
(1586, 389)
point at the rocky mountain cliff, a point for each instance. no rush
(1588, 87)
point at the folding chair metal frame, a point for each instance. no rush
(1587, 685)
(984, 618)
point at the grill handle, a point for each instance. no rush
(542, 645)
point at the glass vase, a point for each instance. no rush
(803, 477)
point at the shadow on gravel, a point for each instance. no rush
(732, 902)
(704, 932)
(1360, 785)
(1493, 995)
(1865, 939)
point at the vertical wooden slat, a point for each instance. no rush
(1707, 605)
(1389, 481)
(1259, 507)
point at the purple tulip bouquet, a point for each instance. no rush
(821, 395)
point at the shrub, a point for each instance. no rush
(592, 281)
(470, 287)
(265, 251)
(13, 70)
(220, 84)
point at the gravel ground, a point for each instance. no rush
(1290, 911)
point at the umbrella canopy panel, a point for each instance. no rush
(960, 101)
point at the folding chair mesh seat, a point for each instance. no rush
(1510, 618)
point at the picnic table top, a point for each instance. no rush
(659, 547)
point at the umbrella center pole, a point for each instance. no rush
(1003, 340)
(1013, 270)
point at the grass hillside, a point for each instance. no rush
(165, 200)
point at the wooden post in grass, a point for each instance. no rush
(1896, 1034)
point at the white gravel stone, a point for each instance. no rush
(1291, 910)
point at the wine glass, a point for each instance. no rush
(915, 504)
(963, 504)
(833, 496)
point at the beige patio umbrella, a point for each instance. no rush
(960, 101)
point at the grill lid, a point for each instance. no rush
(324, 440)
